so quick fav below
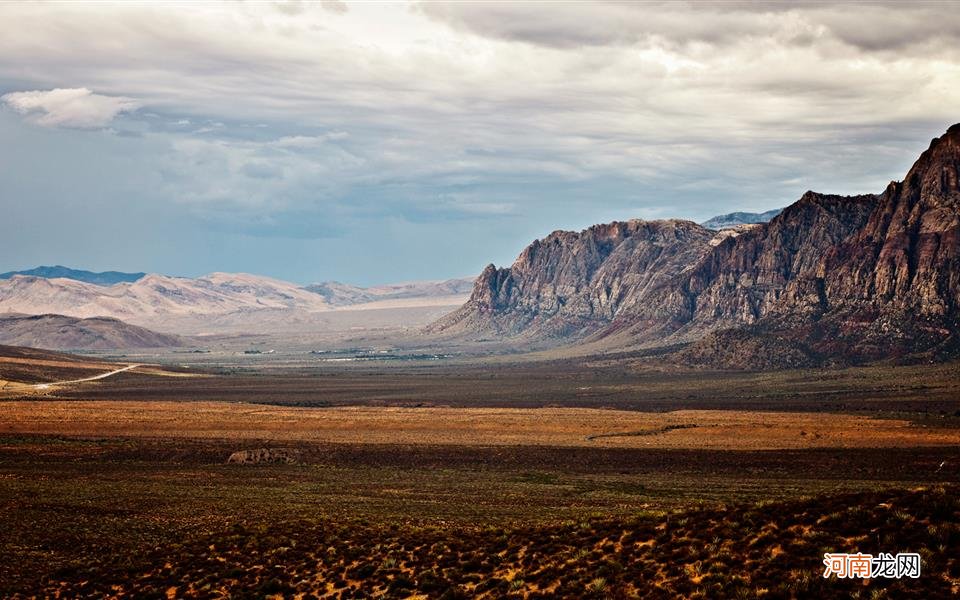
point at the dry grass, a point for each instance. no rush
(769, 550)
(24, 370)
(558, 427)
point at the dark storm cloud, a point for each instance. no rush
(563, 25)
(867, 26)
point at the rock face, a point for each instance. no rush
(831, 277)
(571, 284)
(906, 256)
(772, 269)
(265, 456)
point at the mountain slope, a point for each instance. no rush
(56, 272)
(58, 332)
(831, 277)
(19, 365)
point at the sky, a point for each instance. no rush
(380, 142)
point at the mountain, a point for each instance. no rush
(157, 300)
(740, 218)
(342, 294)
(104, 278)
(831, 278)
(570, 284)
(58, 332)
(235, 303)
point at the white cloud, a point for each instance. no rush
(732, 97)
(76, 108)
(335, 6)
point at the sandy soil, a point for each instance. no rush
(700, 429)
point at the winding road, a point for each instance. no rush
(43, 386)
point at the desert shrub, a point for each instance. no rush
(401, 583)
(275, 586)
(597, 585)
(363, 571)
(453, 593)
(431, 581)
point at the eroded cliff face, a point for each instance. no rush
(855, 277)
(906, 256)
(772, 269)
(573, 283)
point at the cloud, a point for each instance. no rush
(262, 170)
(867, 26)
(565, 25)
(335, 6)
(77, 108)
(299, 7)
(308, 141)
(514, 118)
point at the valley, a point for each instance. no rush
(392, 458)
(479, 300)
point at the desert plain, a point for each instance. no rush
(418, 478)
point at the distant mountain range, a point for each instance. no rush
(829, 279)
(154, 296)
(740, 218)
(104, 278)
(219, 302)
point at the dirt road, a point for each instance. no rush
(43, 386)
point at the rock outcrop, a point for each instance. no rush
(571, 284)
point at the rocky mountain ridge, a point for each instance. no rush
(572, 283)
(852, 278)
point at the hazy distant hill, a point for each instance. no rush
(829, 278)
(154, 299)
(740, 218)
(104, 278)
(59, 332)
(234, 302)
(342, 294)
